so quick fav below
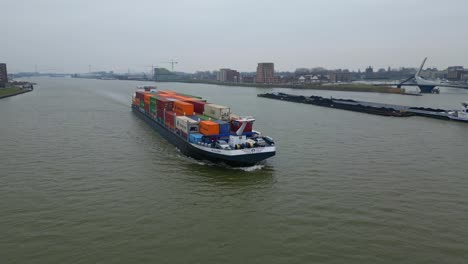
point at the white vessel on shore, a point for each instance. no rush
(460, 115)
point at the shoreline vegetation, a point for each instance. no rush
(348, 87)
(12, 91)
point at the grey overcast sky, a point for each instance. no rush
(69, 35)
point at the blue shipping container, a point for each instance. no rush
(194, 117)
(195, 138)
(224, 127)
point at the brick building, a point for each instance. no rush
(455, 73)
(265, 73)
(228, 75)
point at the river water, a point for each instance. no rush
(83, 180)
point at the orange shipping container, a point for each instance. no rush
(209, 128)
(189, 99)
(181, 98)
(147, 98)
(167, 92)
(183, 108)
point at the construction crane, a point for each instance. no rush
(172, 62)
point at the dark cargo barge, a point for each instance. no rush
(362, 106)
(345, 104)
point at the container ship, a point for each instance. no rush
(202, 130)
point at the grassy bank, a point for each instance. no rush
(11, 91)
(350, 87)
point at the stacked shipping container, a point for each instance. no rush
(186, 125)
(190, 116)
(162, 105)
(170, 119)
(198, 107)
(153, 104)
(217, 111)
(183, 108)
(147, 96)
(209, 128)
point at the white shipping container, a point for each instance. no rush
(186, 124)
(234, 117)
(217, 111)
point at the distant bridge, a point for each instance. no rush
(427, 86)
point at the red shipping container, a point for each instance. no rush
(147, 108)
(198, 106)
(162, 103)
(140, 95)
(235, 125)
(170, 118)
(160, 114)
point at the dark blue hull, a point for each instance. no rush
(186, 148)
(426, 89)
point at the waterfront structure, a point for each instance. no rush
(228, 75)
(3, 74)
(163, 74)
(455, 73)
(265, 73)
(465, 76)
(308, 79)
(430, 73)
(301, 79)
(204, 75)
(369, 73)
(340, 76)
(248, 79)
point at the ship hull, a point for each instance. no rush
(459, 119)
(426, 88)
(201, 153)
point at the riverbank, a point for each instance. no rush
(348, 87)
(12, 91)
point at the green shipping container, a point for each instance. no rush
(153, 105)
(142, 103)
(189, 95)
(204, 117)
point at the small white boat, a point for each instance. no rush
(460, 115)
